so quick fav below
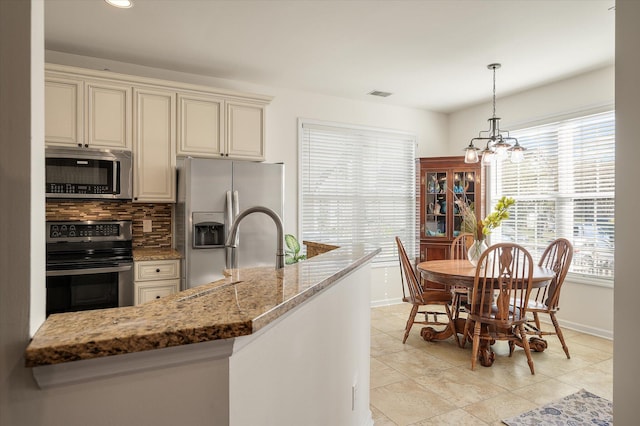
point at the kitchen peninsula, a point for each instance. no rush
(261, 346)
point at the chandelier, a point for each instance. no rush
(498, 144)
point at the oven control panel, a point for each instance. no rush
(88, 230)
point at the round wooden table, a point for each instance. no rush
(462, 273)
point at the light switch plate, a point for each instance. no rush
(146, 225)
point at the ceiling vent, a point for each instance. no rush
(379, 93)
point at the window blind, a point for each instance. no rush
(357, 186)
(564, 188)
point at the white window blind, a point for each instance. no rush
(357, 186)
(564, 188)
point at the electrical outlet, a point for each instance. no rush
(146, 225)
(354, 396)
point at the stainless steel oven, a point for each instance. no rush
(83, 173)
(89, 265)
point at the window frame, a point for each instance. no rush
(410, 243)
(583, 278)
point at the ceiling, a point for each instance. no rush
(430, 54)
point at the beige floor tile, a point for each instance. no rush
(431, 383)
(604, 345)
(499, 407)
(545, 392)
(407, 402)
(459, 386)
(592, 379)
(453, 418)
(414, 362)
(382, 374)
(379, 419)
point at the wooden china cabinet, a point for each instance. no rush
(442, 181)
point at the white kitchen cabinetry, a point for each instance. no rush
(245, 130)
(108, 112)
(154, 145)
(211, 126)
(64, 122)
(87, 114)
(155, 279)
(200, 125)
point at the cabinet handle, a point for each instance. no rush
(221, 154)
(226, 155)
(158, 270)
(86, 145)
(157, 297)
(80, 145)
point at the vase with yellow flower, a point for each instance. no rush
(480, 229)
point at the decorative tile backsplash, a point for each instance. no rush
(159, 213)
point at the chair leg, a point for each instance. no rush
(412, 317)
(525, 345)
(554, 320)
(467, 325)
(476, 344)
(452, 324)
(537, 321)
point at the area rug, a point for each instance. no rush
(580, 408)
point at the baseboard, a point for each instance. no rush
(385, 302)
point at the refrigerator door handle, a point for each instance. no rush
(229, 213)
(236, 211)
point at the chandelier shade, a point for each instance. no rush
(498, 142)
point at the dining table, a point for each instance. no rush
(461, 273)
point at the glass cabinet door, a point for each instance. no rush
(464, 190)
(436, 204)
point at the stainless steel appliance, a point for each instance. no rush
(89, 265)
(211, 193)
(84, 173)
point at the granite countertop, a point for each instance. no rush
(142, 254)
(240, 304)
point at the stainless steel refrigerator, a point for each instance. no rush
(211, 193)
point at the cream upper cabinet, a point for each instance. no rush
(64, 120)
(200, 125)
(245, 130)
(154, 145)
(108, 112)
(87, 114)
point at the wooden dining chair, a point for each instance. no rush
(459, 247)
(557, 256)
(419, 297)
(498, 307)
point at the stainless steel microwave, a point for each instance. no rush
(88, 174)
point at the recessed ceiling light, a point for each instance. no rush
(122, 4)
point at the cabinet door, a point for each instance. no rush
(108, 112)
(63, 112)
(200, 128)
(152, 290)
(154, 145)
(436, 196)
(466, 189)
(245, 130)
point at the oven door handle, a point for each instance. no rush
(87, 271)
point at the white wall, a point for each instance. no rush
(584, 307)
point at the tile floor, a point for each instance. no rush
(431, 383)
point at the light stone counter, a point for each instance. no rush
(238, 305)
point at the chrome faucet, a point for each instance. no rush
(233, 232)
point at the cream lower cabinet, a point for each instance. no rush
(155, 279)
(154, 146)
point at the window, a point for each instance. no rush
(564, 188)
(357, 186)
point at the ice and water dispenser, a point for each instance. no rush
(208, 229)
